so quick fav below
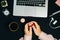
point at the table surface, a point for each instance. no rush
(6, 34)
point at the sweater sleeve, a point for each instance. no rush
(26, 37)
(44, 36)
(21, 38)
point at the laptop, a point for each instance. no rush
(31, 8)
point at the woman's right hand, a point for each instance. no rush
(36, 28)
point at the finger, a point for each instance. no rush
(30, 29)
(26, 27)
(36, 24)
(34, 28)
(30, 24)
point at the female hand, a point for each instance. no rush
(36, 28)
(28, 30)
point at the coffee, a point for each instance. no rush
(13, 26)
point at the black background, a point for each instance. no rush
(6, 34)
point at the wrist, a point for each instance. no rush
(39, 33)
(28, 34)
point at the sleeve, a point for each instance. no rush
(44, 36)
(26, 37)
(21, 38)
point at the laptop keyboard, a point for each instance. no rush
(40, 3)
